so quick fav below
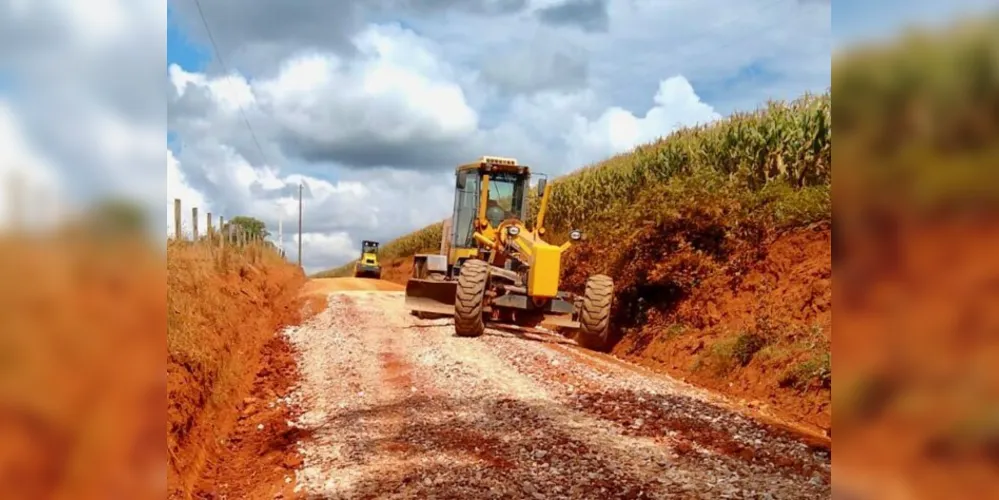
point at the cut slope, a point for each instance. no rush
(222, 308)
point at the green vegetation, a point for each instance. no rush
(730, 353)
(918, 118)
(254, 228)
(816, 370)
(767, 156)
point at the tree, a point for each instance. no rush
(254, 228)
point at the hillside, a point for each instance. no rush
(223, 307)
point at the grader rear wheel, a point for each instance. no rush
(469, 299)
(594, 317)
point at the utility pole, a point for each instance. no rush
(299, 224)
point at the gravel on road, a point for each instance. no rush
(397, 407)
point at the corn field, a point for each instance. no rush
(787, 143)
(937, 89)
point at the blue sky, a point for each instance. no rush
(181, 50)
(6, 82)
(192, 56)
(852, 20)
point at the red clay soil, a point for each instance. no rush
(397, 270)
(916, 381)
(259, 458)
(785, 298)
(319, 287)
(81, 384)
(222, 312)
(749, 316)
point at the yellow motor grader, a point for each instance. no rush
(492, 268)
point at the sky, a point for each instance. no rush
(371, 104)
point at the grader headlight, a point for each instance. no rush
(512, 230)
(575, 235)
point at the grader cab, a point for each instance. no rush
(492, 268)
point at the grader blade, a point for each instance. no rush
(431, 296)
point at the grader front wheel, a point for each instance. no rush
(470, 298)
(594, 317)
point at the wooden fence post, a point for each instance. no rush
(176, 220)
(194, 223)
(208, 222)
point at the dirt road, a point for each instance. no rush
(397, 407)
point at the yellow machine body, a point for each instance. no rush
(487, 224)
(367, 266)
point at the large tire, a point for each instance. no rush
(470, 297)
(594, 317)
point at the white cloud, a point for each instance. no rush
(318, 250)
(618, 130)
(178, 188)
(373, 117)
(395, 107)
(86, 87)
(23, 169)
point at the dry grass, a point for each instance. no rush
(81, 367)
(222, 307)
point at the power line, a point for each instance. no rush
(218, 56)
